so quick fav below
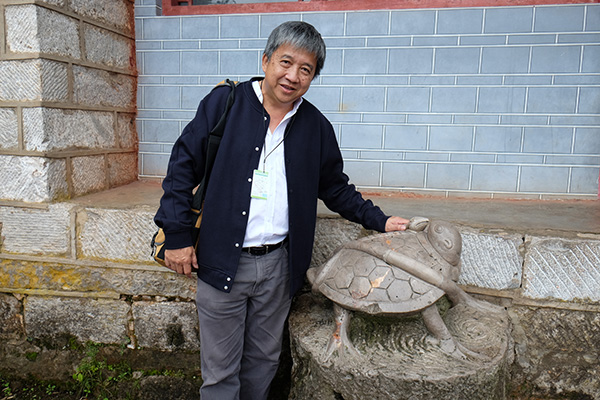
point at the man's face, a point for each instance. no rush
(288, 75)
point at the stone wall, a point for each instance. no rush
(90, 277)
(67, 99)
(487, 101)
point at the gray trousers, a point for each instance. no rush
(241, 332)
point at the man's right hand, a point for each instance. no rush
(181, 260)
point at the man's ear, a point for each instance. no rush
(265, 61)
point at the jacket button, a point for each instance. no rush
(237, 245)
(256, 149)
(243, 212)
(249, 179)
(225, 287)
(228, 279)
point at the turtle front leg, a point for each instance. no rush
(436, 325)
(339, 341)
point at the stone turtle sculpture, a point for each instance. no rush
(397, 273)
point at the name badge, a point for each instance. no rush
(260, 185)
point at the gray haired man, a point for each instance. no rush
(278, 156)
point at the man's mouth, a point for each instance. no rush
(288, 88)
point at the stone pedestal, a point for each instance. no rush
(398, 358)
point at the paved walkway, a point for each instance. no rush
(534, 216)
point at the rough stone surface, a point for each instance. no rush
(330, 235)
(490, 260)
(32, 179)
(557, 351)
(126, 131)
(563, 269)
(166, 325)
(97, 320)
(116, 13)
(96, 281)
(122, 168)
(100, 88)
(33, 80)
(32, 29)
(9, 129)
(107, 48)
(48, 129)
(36, 231)
(11, 317)
(126, 234)
(397, 358)
(88, 174)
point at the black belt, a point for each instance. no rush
(264, 249)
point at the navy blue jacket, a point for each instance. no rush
(314, 169)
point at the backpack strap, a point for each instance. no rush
(214, 140)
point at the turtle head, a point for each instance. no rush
(446, 240)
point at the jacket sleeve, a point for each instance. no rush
(184, 172)
(339, 195)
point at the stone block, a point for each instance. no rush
(36, 231)
(555, 59)
(448, 176)
(166, 325)
(32, 179)
(31, 80)
(550, 140)
(11, 317)
(410, 175)
(363, 99)
(366, 61)
(88, 175)
(544, 179)
(107, 48)
(126, 131)
(50, 129)
(498, 139)
(122, 168)
(495, 178)
(166, 63)
(504, 60)
(407, 99)
(33, 29)
(366, 137)
(9, 129)
(560, 100)
(417, 22)
(557, 351)
(453, 99)
(373, 23)
(94, 87)
(96, 320)
(94, 282)
(116, 13)
(456, 138)
(457, 61)
(113, 234)
(491, 260)
(562, 269)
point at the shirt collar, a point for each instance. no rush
(258, 92)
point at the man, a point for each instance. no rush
(277, 156)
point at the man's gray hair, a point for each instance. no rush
(301, 35)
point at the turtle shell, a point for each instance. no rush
(361, 282)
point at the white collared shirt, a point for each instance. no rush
(268, 219)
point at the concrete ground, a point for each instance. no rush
(570, 217)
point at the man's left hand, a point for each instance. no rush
(396, 224)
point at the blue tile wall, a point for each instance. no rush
(481, 101)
